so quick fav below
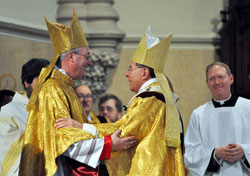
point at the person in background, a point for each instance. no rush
(86, 98)
(13, 118)
(110, 106)
(217, 141)
(6, 96)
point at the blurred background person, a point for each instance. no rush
(13, 118)
(86, 98)
(110, 106)
(6, 96)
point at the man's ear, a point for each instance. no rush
(26, 85)
(231, 78)
(70, 56)
(146, 73)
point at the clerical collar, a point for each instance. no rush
(62, 71)
(153, 80)
(231, 101)
(223, 101)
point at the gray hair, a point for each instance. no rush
(63, 55)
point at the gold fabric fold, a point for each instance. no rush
(42, 142)
(145, 119)
(172, 122)
(63, 39)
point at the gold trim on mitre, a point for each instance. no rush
(63, 39)
(152, 52)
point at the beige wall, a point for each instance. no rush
(185, 68)
(14, 53)
(193, 23)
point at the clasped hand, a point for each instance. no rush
(230, 152)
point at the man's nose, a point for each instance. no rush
(217, 80)
(105, 111)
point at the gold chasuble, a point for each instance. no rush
(145, 119)
(42, 142)
(53, 98)
(153, 118)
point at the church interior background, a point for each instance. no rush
(113, 29)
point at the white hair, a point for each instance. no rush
(63, 55)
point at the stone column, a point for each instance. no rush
(98, 19)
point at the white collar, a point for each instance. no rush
(144, 85)
(89, 117)
(62, 71)
(222, 101)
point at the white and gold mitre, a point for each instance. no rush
(151, 51)
(64, 39)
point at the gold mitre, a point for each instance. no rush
(64, 39)
(152, 52)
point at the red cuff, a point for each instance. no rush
(107, 148)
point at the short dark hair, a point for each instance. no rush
(118, 103)
(151, 70)
(32, 69)
(6, 96)
(219, 64)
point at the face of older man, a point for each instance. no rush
(135, 77)
(85, 97)
(219, 82)
(80, 61)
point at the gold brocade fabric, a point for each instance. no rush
(145, 118)
(63, 39)
(95, 119)
(172, 124)
(42, 142)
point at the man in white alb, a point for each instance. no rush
(217, 139)
(13, 118)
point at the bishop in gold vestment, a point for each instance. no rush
(65, 151)
(151, 116)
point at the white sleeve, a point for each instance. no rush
(246, 148)
(196, 156)
(88, 151)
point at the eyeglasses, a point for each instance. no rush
(87, 56)
(131, 69)
(219, 78)
(88, 96)
(108, 108)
